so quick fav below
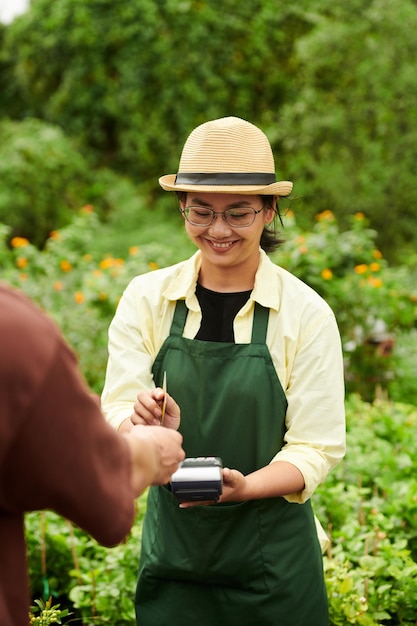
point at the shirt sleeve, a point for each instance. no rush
(132, 351)
(315, 439)
(62, 455)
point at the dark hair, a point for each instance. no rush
(271, 237)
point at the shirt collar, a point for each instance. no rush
(265, 290)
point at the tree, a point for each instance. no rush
(351, 133)
(130, 79)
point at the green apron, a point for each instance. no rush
(254, 563)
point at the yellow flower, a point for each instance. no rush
(374, 267)
(359, 216)
(375, 282)
(327, 274)
(102, 296)
(152, 265)
(87, 258)
(325, 215)
(79, 297)
(21, 262)
(65, 265)
(19, 242)
(377, 254)
(134, 250)
(54, 234)
(361, 269)
(110, 262)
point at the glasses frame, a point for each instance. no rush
(215, 213)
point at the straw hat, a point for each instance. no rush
(228, 155)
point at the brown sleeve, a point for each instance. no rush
(58, 451)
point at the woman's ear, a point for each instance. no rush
(270, 211)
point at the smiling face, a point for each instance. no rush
(230, 255)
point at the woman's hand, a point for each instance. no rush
(148, 409)
(234, 483)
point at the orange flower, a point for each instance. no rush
(359, 216)
(325, 215)
(375, 282)
(361, 269)
(110, 262)
(134, 250)
(54, 234)
(88, 208)
(377, 254)
(65, 265)
(327, 274)
(79, 297)
(21, 262)
(58, 285)
(152, 265)
(374, 267)
(23, 276)
(19, 242)
(87, 258)
(303, 249)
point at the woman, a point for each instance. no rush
(254, 369)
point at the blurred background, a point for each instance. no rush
(98, 95)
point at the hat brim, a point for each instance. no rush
(279, 188)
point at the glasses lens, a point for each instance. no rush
(240, 217)
(200, 216)
(237, 217)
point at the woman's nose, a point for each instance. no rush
(219, 225)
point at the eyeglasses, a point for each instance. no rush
(236, 217)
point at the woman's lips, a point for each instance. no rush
(221, 245)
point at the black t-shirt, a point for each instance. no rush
(218, 312)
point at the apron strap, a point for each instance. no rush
(260, 323)
(259, 327)
(178, 322)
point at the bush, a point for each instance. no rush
(367, 504)
(374, 303)
(43, 178)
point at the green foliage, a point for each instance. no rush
(373, 302)
(331, 84)
(97, 582)
(367, 505)
(130, 79)
(77, 282)
(351, 130)
(48, 614)
(43, 178)
(77, 286)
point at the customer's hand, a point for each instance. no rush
(156, 454)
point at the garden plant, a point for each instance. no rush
(368, 504)
(95, 98)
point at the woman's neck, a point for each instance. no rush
(224, 281)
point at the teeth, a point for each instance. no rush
(221, 245)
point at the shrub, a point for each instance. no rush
(43, 178)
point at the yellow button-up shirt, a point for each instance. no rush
(302, 338)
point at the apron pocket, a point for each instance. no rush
(213, 545)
